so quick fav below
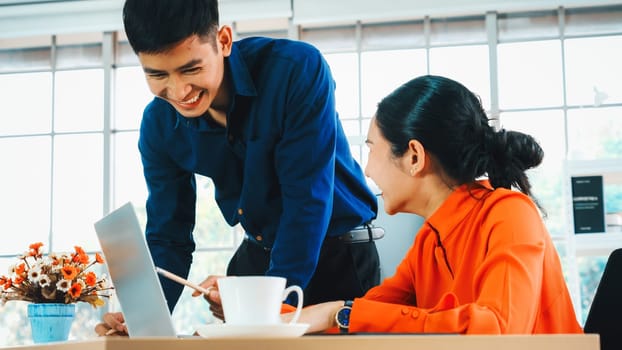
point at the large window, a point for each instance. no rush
(72, 106)
(556, 81)
(51, 146)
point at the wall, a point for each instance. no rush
(400, 230)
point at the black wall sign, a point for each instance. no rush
(587, 204)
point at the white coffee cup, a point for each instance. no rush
(255, 300)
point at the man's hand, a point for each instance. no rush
(113, 325)
(213, 298)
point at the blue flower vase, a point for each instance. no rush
(50, 322)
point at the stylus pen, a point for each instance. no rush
(183, 281)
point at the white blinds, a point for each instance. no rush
(105, 15)
(311, 12)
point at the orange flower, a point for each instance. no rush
(69, 272)
(34, 249)
(75, 290)
(80, 256)
(3, 280)
(35, 246)
(90, 279)
(20, 269)
(8, 284)
(18, 280)
(99, 258)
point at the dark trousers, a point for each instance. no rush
(344, 271)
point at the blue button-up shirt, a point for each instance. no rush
(281, 167)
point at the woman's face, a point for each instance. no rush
(389, 173)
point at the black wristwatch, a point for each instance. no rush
(343, 316)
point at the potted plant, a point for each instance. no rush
(53, 284)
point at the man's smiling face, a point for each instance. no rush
(189, 75)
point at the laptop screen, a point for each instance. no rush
(133, 274)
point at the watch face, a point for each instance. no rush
(343, 317)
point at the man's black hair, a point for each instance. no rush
(154, 26)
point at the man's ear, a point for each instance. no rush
(224, 40)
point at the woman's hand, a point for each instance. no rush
(320, 317)
(113, 325)
(213, 298)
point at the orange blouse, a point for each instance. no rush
(482, 263)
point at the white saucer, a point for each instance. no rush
(285, 330)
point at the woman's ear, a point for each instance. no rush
(415, 156)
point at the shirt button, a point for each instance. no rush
(405, 311)
(230, 137)
(258, 238)
(415, 314)
(240, 211)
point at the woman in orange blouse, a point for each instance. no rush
(483, 261)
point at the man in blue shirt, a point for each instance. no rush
(258, 117)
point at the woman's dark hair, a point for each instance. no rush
(451, 124)
(154, 26)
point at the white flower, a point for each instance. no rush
(44, 281)
(63, 285)
(55, 268)
(34, 273)
(12, 269)
(102, 281)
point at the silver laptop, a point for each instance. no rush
(133, 274)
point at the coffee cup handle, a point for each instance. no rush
(298, 291)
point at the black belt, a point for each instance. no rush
(360, 234)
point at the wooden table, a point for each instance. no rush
(337, 342)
